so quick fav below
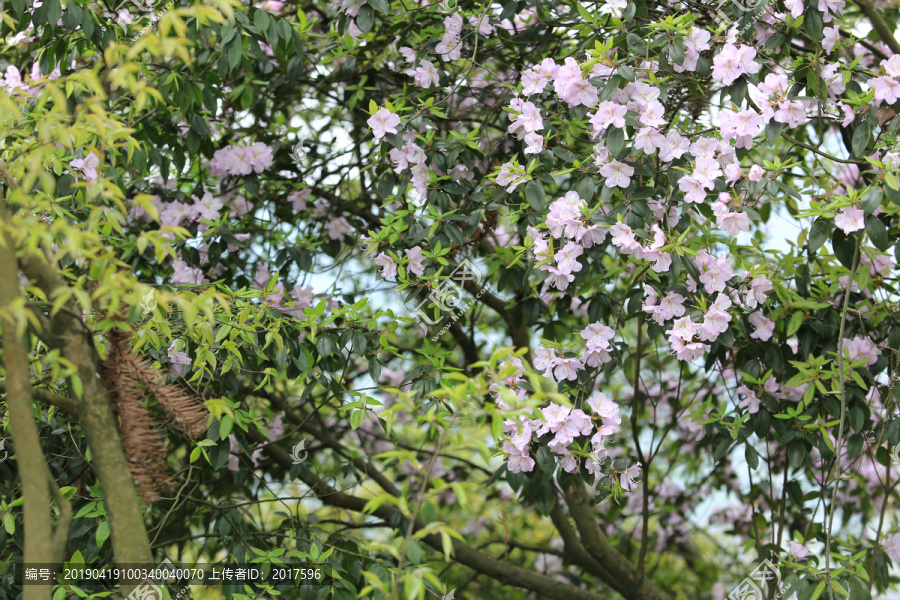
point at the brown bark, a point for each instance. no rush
(42, 543)
(68, 333)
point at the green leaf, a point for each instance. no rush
(225, 427)
(234, 52)
(862, 138)
(9, 523)
(871, 200)
(73, 15)
(414, 552)
(615, 141)
(877, 233)
(795, 323)
(261, 19)
(818, 233)
(365, 18)
(752, 456)
(535, 196)
(626, 73)
(610, 88)
(379, 5)
(797, 453)
(844, 247)
(812, 24)
(87, 24)
(773, 132)
(102, 533)
(636, 43)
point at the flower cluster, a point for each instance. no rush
(572, 431)
(240, 159)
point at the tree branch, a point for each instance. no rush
(599, 546)
(475, 560)
(879, 24)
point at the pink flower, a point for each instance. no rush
(544, 360)
(387, 264)
(887, 89)
(750, 401)
(627, 480)
(383, 122)
(765, 327)
(891, 546)
(567, 258)
(87, 166)
(597, 335)
(608, 113)
(759, 287)
(184, 274)
(179, 362)
(259, 156)
(425, 75)
(518, 462)
(617, 174)
(734, 61)
(798, 551)
(510, 175)
(850, 219)
(830, 37)
(534, 143)
(567, 368)
(336, 228)
(415, 257)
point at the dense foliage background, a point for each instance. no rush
(511, 300)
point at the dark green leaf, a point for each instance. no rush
(615, 141)
(797, 453)
(773, 131)
(636, 43)
(818, 233)
(812, 23)
(535, 196)
(379, 5)
(877, 233)
(610, 88)
(871, 200)
(862, 137)
(564, 154)
(261, 19)
(844, 247)
(366, 18)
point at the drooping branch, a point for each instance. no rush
(464, 554)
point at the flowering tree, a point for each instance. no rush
(525, 300)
